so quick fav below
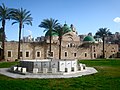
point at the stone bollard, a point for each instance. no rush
(45, 70)
(54, 70)
(23, 70)
(19, 69)
(81, 66)
(84, 66)
(35, 70)
(14, 68)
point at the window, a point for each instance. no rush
(65, 54)
(70, 44)
(94, 49)
(75, 54)
(94, 55)
(27, 54)
(38, 54)
(21, 54)
(85, 54)
(9, 53)
(51, 54)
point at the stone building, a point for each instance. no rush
(72, 47)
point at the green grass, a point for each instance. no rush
(7, 64)
(107, 78)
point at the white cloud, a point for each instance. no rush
(117, 19)
(30, 32)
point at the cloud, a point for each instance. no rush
(117, 19)
(30, 32)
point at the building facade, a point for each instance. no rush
(72, 48)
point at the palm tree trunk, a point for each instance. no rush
(103, 46)
(20, 27)
(60, 40)
(50, 42)
(3, 39)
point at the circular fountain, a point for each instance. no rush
(49, 66)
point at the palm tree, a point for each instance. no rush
(49, 25)
(1, 34)
(61, 30)
(5, 14)
(102, 32)
(21, 16)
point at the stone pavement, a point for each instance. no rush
(88, 71)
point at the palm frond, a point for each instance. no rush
(103, 31)
(49, 25)
(5, 12)
(14, 22)
(22, 16)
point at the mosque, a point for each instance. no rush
(72, 47)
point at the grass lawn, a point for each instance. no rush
(107, 78)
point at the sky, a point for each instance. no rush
(86, 15)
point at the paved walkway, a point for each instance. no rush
(88, 71)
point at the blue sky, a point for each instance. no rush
(86, 15)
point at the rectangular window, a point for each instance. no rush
(85, 54)
(27, 54)
(94, 55)
(21, 54)
(51, 54)
(75, 54)
(38, 54)
(9, 54)
(65, 54)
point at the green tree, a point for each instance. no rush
(49, 25)
(61, 30)
(21, 16)
(103, 32)
(5, 14)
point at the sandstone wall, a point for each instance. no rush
(73, 51)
